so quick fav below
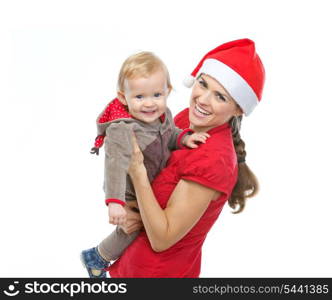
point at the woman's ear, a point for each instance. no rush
(238, 111)
(122, 98)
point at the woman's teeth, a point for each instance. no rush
(202, 111)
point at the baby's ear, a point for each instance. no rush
(168, 91)
(122, 98)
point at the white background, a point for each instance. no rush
(59, 64)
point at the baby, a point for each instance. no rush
(140, 107)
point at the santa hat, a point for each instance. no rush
(237, 66)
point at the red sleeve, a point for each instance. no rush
(209, 169)
(114, 200)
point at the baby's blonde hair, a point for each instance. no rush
(141, 64)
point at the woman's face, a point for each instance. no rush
(210, 104)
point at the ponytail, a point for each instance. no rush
(247, 183)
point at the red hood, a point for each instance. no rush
(114, 110)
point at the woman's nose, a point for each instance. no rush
(204, 98)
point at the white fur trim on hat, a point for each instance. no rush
(237, 87)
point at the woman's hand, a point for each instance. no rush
(136, 166)
(134, 221)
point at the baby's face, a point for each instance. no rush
(146, 96)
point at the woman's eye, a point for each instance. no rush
(202, 83)
(157, 95)
(221, 97)
(139, 97)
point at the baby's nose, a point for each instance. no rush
(148, 101)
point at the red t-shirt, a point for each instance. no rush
(212, 164)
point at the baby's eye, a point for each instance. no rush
(157, 95)
(139, 97)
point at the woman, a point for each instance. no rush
(183, 202)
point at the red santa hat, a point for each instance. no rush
(237, 66)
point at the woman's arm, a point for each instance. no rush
(186, 205)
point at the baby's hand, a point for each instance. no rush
(192, 139)
(117, 214)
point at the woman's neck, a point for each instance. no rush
(206, 129)
(199, 129)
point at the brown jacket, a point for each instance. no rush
(156, 141)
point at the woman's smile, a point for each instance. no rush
(200, 112)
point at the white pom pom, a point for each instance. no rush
(189, 81)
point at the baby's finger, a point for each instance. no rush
(192, 145)
(200, 139)
(116, 221)
(122, 221)
(204, 135)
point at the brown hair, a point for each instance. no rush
(247, 184)
(141, 64)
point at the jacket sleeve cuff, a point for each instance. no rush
(114, 200)
(181, 137)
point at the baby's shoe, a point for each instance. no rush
(94, 263)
